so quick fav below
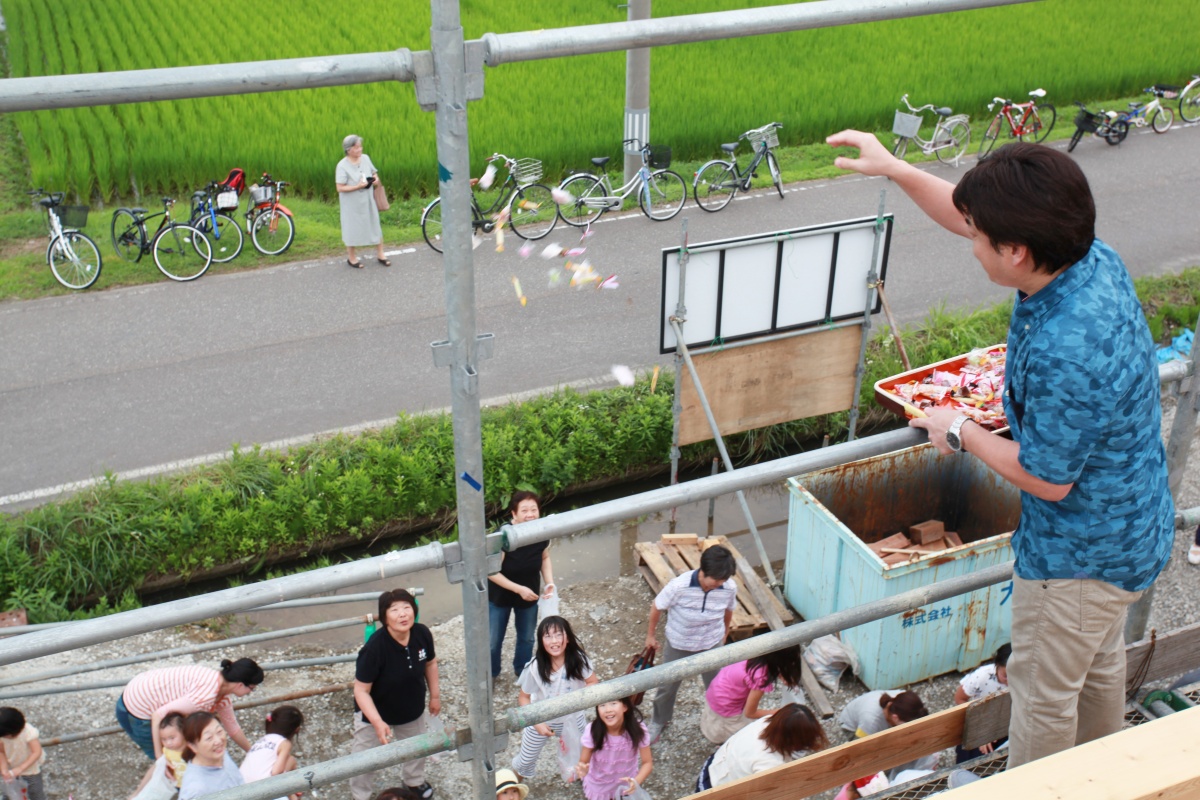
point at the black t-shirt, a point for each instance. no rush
(523, 567)
(396, 673)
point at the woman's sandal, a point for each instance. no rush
(355, 264)
(384, 262)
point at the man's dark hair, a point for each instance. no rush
(1030, 195)
(12, 721)
(1002, 655)
(717, 563)
(390, 598)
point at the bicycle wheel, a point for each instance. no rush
(663, 196)
(1162, 120)
(715, 185)
(776, 175)
(1189, 102)
(182, 252)
(1042, 117)
(227, 239)
(431, 225)
(272, 232)
(1117, 132)
(950, 141)
(588, 204)
(1075, 138)
(901, 147)
(75, 260)
(989, 137)
(127, 235)
(532, 211)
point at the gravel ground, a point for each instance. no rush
(609, 617)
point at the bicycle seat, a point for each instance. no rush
(47, 202)
(729, 148)
(944, 111)
(600, 162)
(138, 210)
(1135, 106)
(199, 194)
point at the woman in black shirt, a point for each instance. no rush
(515, 589)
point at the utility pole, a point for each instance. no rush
(637, 93)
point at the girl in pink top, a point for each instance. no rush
(612, 747)
(734, 695)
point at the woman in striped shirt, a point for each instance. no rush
(152, 695)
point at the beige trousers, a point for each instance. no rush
(413, 772)
(1067, 669)
(717, 728)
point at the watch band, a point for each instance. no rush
(954, 433)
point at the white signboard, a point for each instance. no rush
(771, 283)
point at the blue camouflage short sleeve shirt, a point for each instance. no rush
(1082, 397)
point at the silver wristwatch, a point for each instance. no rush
(953, 435)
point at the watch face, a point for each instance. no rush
(953, 441)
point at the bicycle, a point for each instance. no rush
(72, 255)
(1103, 124)
(210, 216)
(268, 221)
(1189, 100)
(950, 138)
(528, 205)
(715, 183)
(1035, 122)
(1154, 113)
(661, 193)
(181, 252)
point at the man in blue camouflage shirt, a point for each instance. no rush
(1082, 398)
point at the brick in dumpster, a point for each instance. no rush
(927, 532)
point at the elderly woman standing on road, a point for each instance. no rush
(356, 176)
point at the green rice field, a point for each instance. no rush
(562, 111)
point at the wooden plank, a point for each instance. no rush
(1157, 759)
(653, 560)
(987, 720)
(651, 581)
(680, 538)
(830, 769)
(673, 559)
(895, 540)
(927, 532)
(783, 611)
(770, 382)
(1174, 653)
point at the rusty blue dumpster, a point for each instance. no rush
(834, 514)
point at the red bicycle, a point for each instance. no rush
(269, 222)
(1030, 121)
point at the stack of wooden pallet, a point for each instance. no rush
(924, 539)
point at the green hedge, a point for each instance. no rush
(92, 552)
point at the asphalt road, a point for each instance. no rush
(131, 379)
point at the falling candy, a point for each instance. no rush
(520, 295)
(489, 175)
(654, 379)
(576, 251)
(552, 251)
(555, 276)
(526, 250)
(609, 283)
(562, 196)
(623, 374)
(500, 238)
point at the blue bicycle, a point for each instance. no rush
(1154, 113)
(210, 215)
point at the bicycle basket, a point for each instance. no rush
(658, 156)
(770, 136)
(1088, 122)
(72, 216)
(261, 194)
(526, 171)
(227, 200)
(906, 124)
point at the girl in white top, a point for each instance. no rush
(272, 754)
(790, 733)
(559, 665)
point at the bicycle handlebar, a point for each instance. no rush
(904, 100)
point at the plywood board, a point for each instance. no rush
(764, 384)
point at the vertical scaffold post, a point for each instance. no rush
(449, 67)
(872, 284)
(677, 405)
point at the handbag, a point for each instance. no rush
(381, 201)
(643, 660)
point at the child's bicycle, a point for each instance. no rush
(72, 255)
(1103, 124)
(719, 180)
(528, 205)
(1030, 121)
(268, 221)
(181, 252)
(660, 192)
(210, 215)
(950, 137)
(1154, 113)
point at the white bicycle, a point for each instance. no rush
(72, 255)
(660, 192)
(951, 132)
(1189, 100)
